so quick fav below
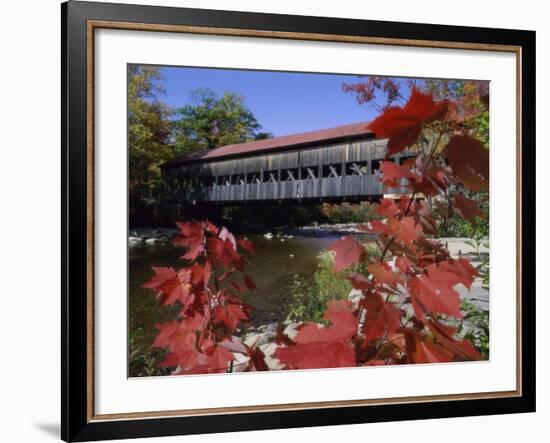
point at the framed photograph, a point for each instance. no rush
(277, 221)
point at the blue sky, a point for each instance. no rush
(283, 103)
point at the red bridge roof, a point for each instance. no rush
(354, 130)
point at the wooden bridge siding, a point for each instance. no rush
(301, 188)
(352, 186)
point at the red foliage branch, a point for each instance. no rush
(202, 339)
(408, 294)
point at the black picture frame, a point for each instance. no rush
(76, 422)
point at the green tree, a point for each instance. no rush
(211, 121)
(149, 130)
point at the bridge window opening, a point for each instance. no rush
(224, 180)
(332, 171)
(357, 168)
(376, 167)
(253, 178)
(270, 177)
(206, 181)
(240, 179)
(288, 175)
(310, 173)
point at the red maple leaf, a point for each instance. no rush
(166, 332)
(434, 180)
(249, 282)
(224, 252)
(380, 228)
(230, 315)
(423, 185)
(402, 126)
(320, 346)
(341, 316)
(191, 235)
(466, 208)
(192, 231)
(348, 252)
(383, 274)
(453, 272)
(433, 293)
(170, 285)
(463, 267)
(281, 338)
(189, 361)
(230, 312)
(406, 230)
(200, 275)
(422, 214)
(462, 349)
(403, 264)
(387, 208)
(226, 235)
(256, 360)
(343, 326)
(162, 275)
(178, 335)
(392, 174)
(359, 281)
(317, 355)
(212, 359)
(210, 227)
(421, 350)
(469, 160)
(195, 249)
(382, 318)
(246, 245)
(217, 358)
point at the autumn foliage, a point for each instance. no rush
(202, 339)
(408, 309)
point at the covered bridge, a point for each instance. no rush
(334, 164)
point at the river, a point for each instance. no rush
(273, 267)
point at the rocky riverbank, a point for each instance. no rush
(264, 338)
(150, 236)
(325, 229)
(456, 246)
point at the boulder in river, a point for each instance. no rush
(134, 241)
